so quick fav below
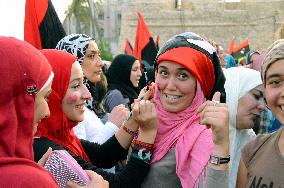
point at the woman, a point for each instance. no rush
(25, 99)
(245, 101)
(187, 72)
(123, 78)
(262, 160)
(67, 105)
(88, 54)
(27, 86)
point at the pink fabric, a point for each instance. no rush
(183, 131)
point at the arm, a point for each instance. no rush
(215, 115)
(114, 98)
(242, 175)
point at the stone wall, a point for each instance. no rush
(255, 20)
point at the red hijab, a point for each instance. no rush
(22, 66)
(57, 127)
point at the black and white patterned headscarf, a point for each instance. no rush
(77, 45)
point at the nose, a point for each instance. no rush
(260, 106)
(139, 73)
(86, 95)
(171, 83)
(99, 62)
(47, 114)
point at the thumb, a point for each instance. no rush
(217, 96)
(44, 158)
(71, 184)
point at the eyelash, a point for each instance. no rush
(76, 86)
(181, 76)
(274, 83)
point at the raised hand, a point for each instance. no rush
(144, 113)
(118, 115)
(215, 115)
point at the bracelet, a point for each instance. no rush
(132, 133)
(143, 144)
(141, 152)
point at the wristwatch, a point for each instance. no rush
(216, 160)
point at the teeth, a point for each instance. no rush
(172, 98)
(80, 106)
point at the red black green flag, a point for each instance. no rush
(239, 52)
(43, 28)
(128, 49)
(144, 48)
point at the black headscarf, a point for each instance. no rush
(192, 40)
(118, 76)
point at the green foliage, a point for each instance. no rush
(105, 50)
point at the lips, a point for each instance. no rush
(80, 106)
(171, 98)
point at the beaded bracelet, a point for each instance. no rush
(145, 145)
(132, 133)
(141, 152)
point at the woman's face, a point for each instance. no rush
(176, 86)
(73, 103)
(249, 109)
(41, 106)
(92, 63)
(274, 89)
(135, 73)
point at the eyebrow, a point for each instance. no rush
(93, 51)
(75, 79)
(273, 75)
(181, 68)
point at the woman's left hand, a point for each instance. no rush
(215, 115)
(44, 158)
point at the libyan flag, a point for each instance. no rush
(144, 47)
(128, 49)
(43, 28)
(239, 52)
(34, 21)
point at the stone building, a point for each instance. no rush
(255, 20)
(220, 20)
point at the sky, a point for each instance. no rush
(61, 6)
(12, 14)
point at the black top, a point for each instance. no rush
(102, 156)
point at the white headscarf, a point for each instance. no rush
(239, 81)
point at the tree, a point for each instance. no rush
(86, 16)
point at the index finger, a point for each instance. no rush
(216, 96)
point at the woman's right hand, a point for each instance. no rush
(97, 181)
(144, 113)
(118, 115)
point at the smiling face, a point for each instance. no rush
(176, 86)
(135, 73)
(250, 107)
(274, 89)
(41, 106)
(73, 103)
(92, 63)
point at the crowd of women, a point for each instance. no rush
(192, 128)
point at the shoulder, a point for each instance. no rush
(261, 142)
(27, 170)
(114, 92)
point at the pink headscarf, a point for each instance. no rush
(193, 142)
